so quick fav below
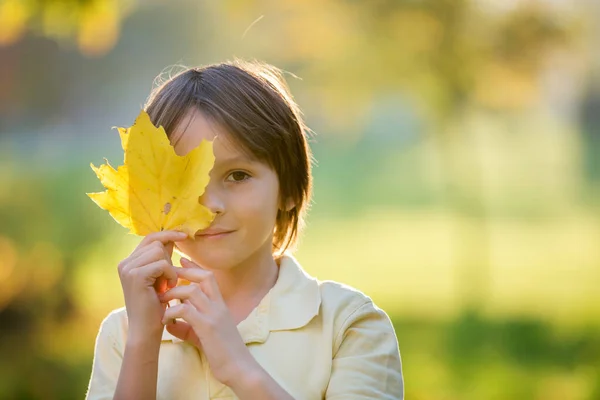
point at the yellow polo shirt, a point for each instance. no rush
(318, 340)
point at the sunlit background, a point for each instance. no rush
(457, 184)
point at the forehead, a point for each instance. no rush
(194, 128)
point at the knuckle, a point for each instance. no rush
(210, 324)
(135, 273)
(156, 252)
(194, 291)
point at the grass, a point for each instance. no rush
(407, 262)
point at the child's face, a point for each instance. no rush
(244, 194)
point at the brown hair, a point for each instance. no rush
(252, 101)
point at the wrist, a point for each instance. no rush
(144, 337)
(247, 379)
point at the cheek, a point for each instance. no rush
(259, 207)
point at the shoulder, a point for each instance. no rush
(115, 319)
(114, 327)
(334, 300)
(340, 296)
(365, 353)
(349, 307)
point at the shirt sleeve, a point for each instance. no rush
(108, 356)
(366, 360)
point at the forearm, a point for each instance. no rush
(256, 383)
(139, 370)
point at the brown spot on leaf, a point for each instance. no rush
(167, 208)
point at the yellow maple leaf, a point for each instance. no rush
(156, 189)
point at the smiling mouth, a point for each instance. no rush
(214, 235)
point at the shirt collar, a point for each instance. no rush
(291, 303)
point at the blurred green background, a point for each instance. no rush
(457, 184)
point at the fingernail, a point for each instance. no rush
(182, 234)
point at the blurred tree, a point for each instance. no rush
(93, 25)
(450, 57)
(590, 124)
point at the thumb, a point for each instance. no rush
(169, 249)
(184, 331)
(188, 263)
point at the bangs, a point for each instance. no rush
(169, 103)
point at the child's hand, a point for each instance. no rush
(147, 272)
(208, 324)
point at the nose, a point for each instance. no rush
(212, 198)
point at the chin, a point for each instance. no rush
(213, 258)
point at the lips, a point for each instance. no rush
(213, 233)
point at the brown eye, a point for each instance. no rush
(238, 176)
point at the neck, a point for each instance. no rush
(249, 280)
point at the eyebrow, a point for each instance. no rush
(236, 159)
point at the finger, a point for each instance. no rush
(193, 293)
(187, 312)
(163, 237)
(183, 331)
(155, 247)
(182, 281)
(153, 271)
(160, 237)
(161, 285)
(125, 264)
(153, 252)
(169, 249)
(194, 273)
